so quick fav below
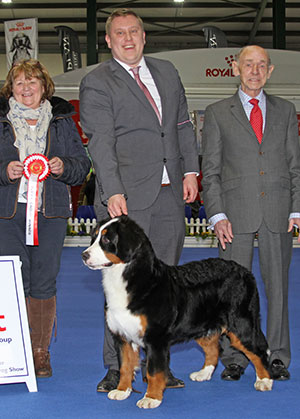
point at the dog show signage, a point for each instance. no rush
(36, 169)
(16, 362)
(21, 40)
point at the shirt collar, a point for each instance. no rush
(127, 67)
(245, 98)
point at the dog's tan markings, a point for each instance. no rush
(156, 386)
(210, 346)
(113, 258)
(261, 371)
(129, 362)
(144, 324)
(103, 232)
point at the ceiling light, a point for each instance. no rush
(178, 1)
(6, 1)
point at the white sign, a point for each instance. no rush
(21, 40)
(16, 362)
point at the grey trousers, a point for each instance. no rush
(164, 224)
(275, 252)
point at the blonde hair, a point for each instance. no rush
(30, 68)
(121, 13)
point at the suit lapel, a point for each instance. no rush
(238, 112)
(119, 72)
(272, 116)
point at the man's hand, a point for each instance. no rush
(117, 206)
(223, 230)
(292, 222)
(190, 188)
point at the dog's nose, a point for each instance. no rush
(85, 256)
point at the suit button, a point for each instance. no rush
(165, 160)
(162, 135)
(261, 172)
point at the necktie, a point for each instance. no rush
(135, 71)
(256, 119)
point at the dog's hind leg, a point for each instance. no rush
(210, 346)
(129, 362)
(263, 380)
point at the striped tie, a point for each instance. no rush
(135, 71)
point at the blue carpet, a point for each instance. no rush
(77, 364)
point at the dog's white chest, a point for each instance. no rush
(119, 319)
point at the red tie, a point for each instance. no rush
(256, 119)
(135, 71)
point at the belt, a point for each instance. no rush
(163, 185)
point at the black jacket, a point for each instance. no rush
(63, 141)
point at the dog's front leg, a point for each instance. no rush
(157, 364)
(129, 362)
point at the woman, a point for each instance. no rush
(32, 121)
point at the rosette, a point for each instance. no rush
(36, 164)
(36, 169)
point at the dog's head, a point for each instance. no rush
(21, 41)
(114, 241)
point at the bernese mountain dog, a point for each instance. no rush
(153, 306)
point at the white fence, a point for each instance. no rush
(197, 233)
(194, 227)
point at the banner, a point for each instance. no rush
(16, 361)
(214, 37)
(70, 48)
(21, 40)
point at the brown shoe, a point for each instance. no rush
(42, 363)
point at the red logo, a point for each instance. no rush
(20, 24)
(2, 329)
(221, 72)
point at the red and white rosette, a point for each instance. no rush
(36, 169)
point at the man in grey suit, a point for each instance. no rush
(144, 153)
(251, 186)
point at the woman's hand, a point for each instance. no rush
(15, 169)
(56, 166)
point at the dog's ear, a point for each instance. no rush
(27, 42)
(13, 46)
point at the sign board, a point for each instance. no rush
(16, 361)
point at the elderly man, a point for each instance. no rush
(251, 187)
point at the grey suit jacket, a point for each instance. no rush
(248, 181)
(128, 146)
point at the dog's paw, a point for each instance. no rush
(264, 384)
(203, 375)
(119, 395)
(148, 403)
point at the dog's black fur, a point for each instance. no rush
(21, 46)
(198, 300)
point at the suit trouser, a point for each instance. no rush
(275, 252)
(164, 224)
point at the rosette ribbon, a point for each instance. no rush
(36, 169)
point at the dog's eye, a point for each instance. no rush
(105, 239)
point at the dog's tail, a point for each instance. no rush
(259, 341)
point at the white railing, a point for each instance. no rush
(76, 225)
(193, 226)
